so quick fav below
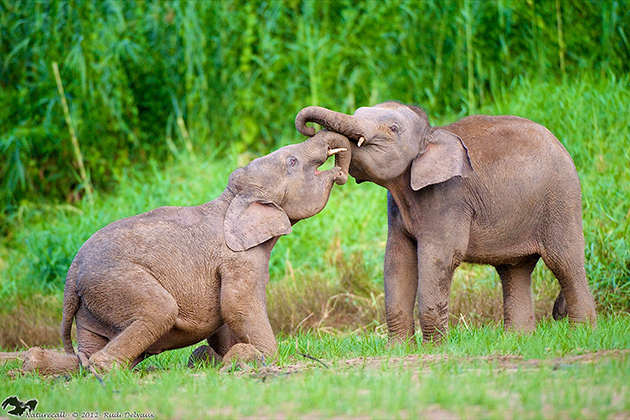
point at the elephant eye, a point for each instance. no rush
(292, 161)
(393, 128)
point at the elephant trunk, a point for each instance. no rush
(347, 125)
(338, 145)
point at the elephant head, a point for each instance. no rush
(275, 191)
(390, 138)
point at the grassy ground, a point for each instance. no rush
(559, 371)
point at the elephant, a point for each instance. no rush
(496, 190)
(175, 276)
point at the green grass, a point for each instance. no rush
(465, 384)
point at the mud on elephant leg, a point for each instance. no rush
(559, 307)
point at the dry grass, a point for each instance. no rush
(352, 301)
(32, 322)
(355, 302)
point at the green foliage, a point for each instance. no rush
(145, 79)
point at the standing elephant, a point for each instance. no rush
(498, 190)
(175, 276)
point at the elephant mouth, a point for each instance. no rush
(329, 153)
(337, 169)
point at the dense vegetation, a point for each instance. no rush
(148, 79)
(166, 98)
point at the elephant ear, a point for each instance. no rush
(445, 157)
(251, 221)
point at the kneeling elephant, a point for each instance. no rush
(175, 276)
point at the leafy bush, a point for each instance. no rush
(144, 79)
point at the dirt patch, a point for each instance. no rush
(427, 361)
(35, 321)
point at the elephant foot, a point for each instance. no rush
(49, 362)
(240, 355)
(434, 335)
(204, 355)
(100, 362)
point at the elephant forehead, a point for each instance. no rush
(385, 112)
(272, 160)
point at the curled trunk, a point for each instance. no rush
(338, 145)
(334, 121)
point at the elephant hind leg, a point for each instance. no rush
(518, 309)
(563, 253)
(153, 317)
(49, 362)
(575, 299)
(222, 340)
(89, 342)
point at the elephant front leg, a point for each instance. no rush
(435, 273)
(401, 284)
(244, 308)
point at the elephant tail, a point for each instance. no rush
(70, 307)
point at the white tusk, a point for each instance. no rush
(361, 140)
(335, 151)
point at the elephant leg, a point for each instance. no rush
(204, 355)
(243, 303)
(89, 342)
(563, 253)
(435, 273)
(49, 362)
(219, 344)
(401, 285)
(518, 309)
(575, 299)
(152, 317)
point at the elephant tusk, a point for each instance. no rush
(360, 142)
(335, 151)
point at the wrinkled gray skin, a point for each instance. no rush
(498, 190)
(175, 276)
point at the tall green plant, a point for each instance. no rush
(148, 79)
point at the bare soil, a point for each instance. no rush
(428, 361)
